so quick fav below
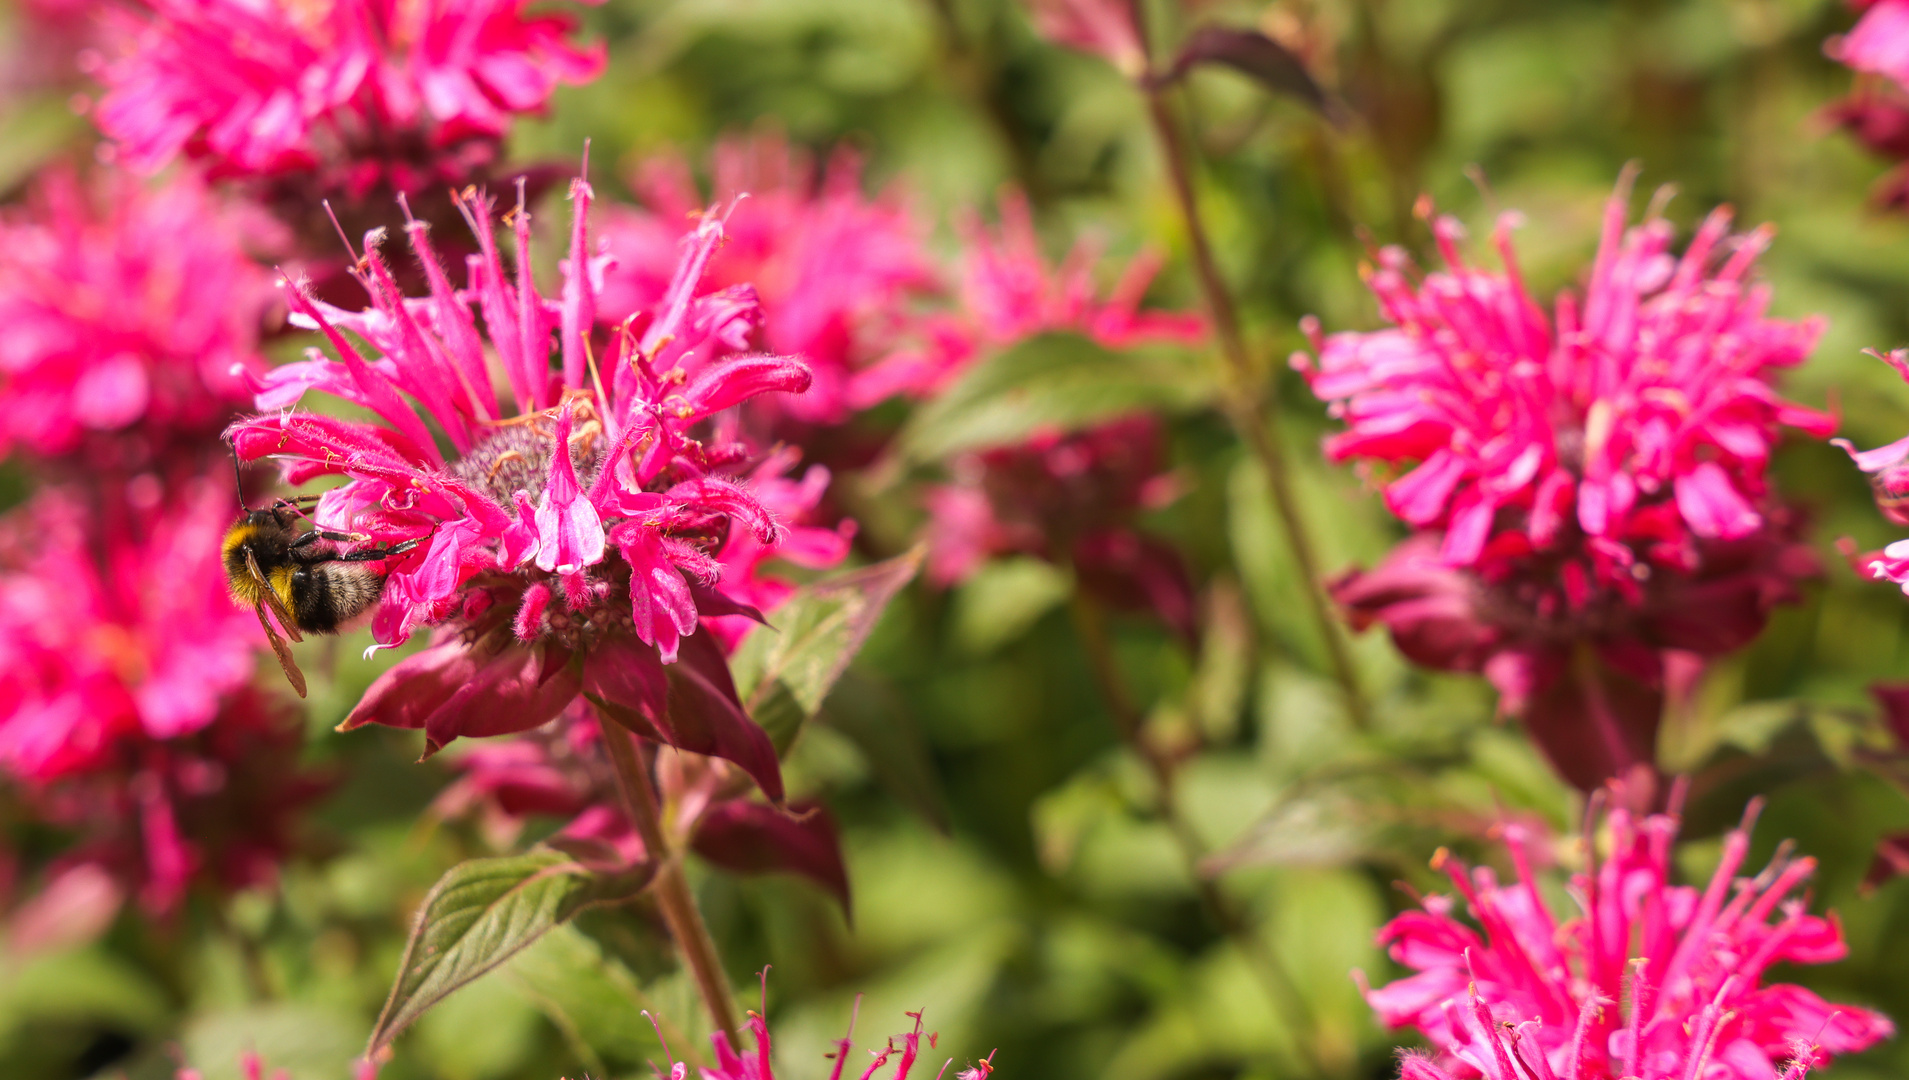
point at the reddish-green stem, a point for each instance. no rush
(685, 922)
(1247, 403)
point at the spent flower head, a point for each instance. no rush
(1648, 980)
(1590, 486)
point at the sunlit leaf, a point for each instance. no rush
(479, 914)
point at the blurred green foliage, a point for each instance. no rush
(1010, 874)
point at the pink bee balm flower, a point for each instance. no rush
(1104, 28)
(1650, 980)
(567, 548)
(1009, 291)
(1591, 492)
(1888, 470)
(114, 623)
(795, 502)
(365, 91)
(833, 269)
(127, 310)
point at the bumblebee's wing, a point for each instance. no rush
(283, 650)
(270, 596)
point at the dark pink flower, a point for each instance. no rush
(1590, 493)
(129, 312)
(363, 91)
(564, 543)
(835, 271)
(1652, 980)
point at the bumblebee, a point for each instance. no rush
(310, 583)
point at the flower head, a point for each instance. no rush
(568, 547)
(833, 269)
(364, 91)
(127, 310)
(1651, 980)
(1594, 478)
(731, 1065)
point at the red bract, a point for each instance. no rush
(127, 310)
(834, 270)
(1590, 493)
(570, 547)
(1652, 980)
(1102, 27)
(363, 91)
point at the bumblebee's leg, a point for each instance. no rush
(316, 535)
(374, 554)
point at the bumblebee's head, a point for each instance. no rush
(259, 541)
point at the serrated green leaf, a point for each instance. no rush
(482, 912)
(785, 673)
(1051, 381)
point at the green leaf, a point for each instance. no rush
(882, 725)
(1004, 599)
(1051, 381)
(479, 914)
(784, 674)
(594, 999)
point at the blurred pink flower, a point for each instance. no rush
(1102, 27)
(1071, 499)
(570, 547)
(1878, 43)
(114, 623)
(1888, 471)
(363, 91)
(1589, 495)
(1008, 291)
(834, 270)
(128, 309)
(1654, 981)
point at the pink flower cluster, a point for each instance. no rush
(570, 548)
(1589, 488)
(834, 271)
(129, 310)
(1651, 980)
(368, 92)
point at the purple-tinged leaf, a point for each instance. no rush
(1257, 57)
(751, 838)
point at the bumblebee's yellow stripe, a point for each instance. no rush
(282, 585)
